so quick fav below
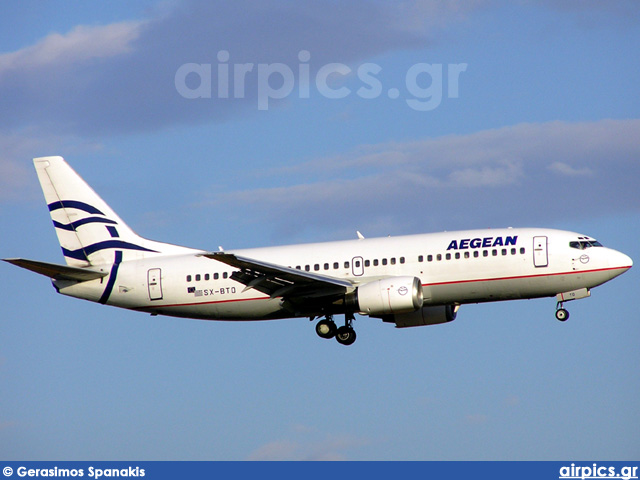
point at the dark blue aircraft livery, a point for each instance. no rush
(485, 242)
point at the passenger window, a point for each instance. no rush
(346, 264)
(367, 263)
(188, 278)
(522, 250)
(485, 253)
(307, 268)
(513, 251)
(375, 262)
(402, 260)
(384, 261)
(207, 276)
(494, 252)
(476, 254)
(393, 261)
(429, 258)
(457, 255)
(439, 257)
(198, 277)
(216, 276)
(466, 255)
(504, 251)
(326, 266)
(420, 258)
(316, 267)
(336, 265)
(448, 256)
(225, 275)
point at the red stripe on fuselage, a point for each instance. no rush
(424, 285)
(207, 303)
(524, 276)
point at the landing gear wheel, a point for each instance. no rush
(346, 335)
(562, 314)
(326, 329)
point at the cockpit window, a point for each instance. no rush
(583, 244)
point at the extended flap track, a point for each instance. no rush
(271, 285)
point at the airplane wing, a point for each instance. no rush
(55, 271)
(279, 281)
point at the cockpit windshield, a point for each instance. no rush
(584, 244)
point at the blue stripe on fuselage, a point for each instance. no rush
(112, 278)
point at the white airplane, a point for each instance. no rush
(409, 280)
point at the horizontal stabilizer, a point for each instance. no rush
(57, 272)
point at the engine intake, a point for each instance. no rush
(390, 296)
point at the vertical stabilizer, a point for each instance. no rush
(89, 231)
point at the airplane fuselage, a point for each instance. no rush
(453, 268)
(409, 280)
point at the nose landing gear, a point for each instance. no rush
(561, 313)
(345, 335)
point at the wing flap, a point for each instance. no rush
(55, 271)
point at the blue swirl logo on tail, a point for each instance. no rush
(86, 250)
(74, 204)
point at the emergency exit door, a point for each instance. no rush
(155, 284)
(357, 266)
(540, 253)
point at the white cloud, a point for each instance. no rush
(279, 450)
(121, 77)
(310, 445)
(493, 176)
(513, 175)
(17, 176)
(80, 44)
(564, 169)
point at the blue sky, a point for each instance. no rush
(542, 128)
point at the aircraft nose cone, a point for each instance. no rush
(620, 260)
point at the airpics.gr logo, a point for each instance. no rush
(423, 87)
(576, 472)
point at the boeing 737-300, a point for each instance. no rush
(408, 280)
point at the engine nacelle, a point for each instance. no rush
(389, 296)
(425, 316)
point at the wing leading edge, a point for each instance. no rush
(279, 281)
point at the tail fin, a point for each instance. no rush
(88, 229)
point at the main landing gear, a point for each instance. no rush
(345, 335)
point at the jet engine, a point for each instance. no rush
(431, 315)
(389, 296)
